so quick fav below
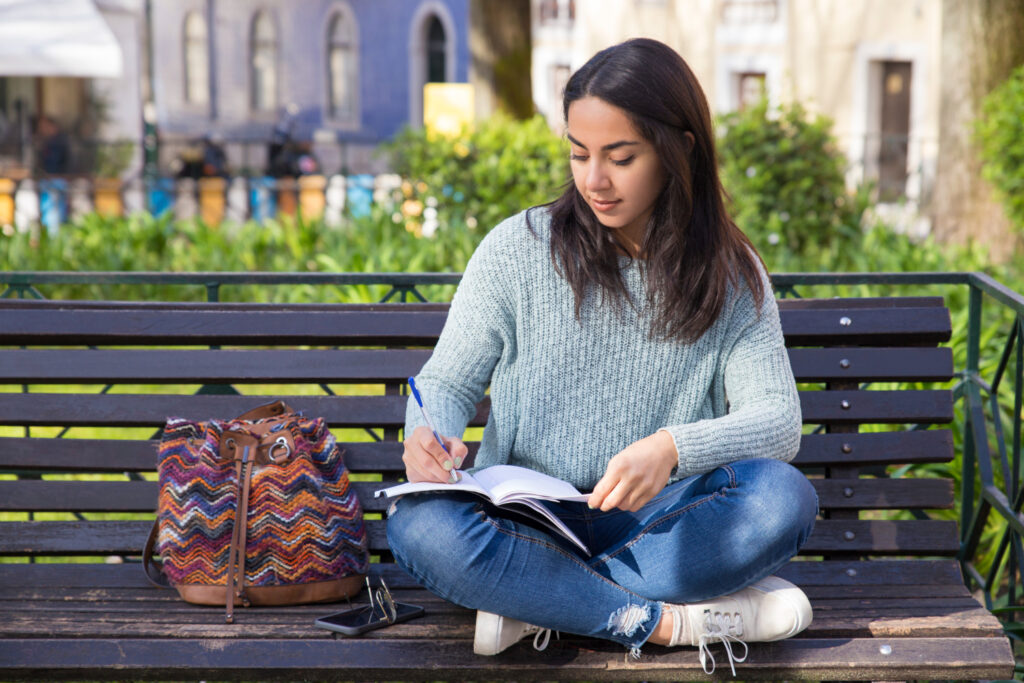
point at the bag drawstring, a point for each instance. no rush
(235, 585)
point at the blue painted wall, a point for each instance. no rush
(384, 29)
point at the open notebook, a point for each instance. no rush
(518, 488)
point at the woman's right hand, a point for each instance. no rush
(425, 460)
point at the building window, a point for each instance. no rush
(751, 89)
(436, 52)
(343, 71)
(432, 40)
(264, 63)
(894, 129)
(750, 11)
(559, 77)
(197, 60)
(557, 11)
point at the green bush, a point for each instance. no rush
(786, 181)
(141, 242)
(481, 177)
(1000, 133)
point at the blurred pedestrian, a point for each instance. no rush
(53, 146)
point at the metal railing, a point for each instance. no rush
(403, 286)
(988, 392)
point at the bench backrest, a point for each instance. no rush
(87, 385)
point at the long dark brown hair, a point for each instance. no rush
(693, 250)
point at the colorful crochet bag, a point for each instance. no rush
(256, 511)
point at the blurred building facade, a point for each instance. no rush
(65, 76)
(338, 76)
(872, 66)
(342, 75)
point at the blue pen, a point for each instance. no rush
(453, 477)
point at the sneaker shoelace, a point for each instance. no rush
(543, 637)
(726, 628)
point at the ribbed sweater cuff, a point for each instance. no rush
(697, 448)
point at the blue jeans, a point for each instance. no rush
(702, 537)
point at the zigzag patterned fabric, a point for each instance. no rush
(304, 523)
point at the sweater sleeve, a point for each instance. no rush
(478, 329)
(764, 418)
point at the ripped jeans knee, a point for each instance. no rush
(626, 620)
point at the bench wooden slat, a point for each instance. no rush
(264, 366)
(147, 617)
(836, 576)
(872, 364)
(875, 448)
(11, 306)
(148, 410)
(874, 537)
(49, 325)
(141, 496)
(867, 327)
(381, 658)
(829, 537)
(851, 574)
(884, 407)
(815, 303)
(141, 410)
(274, 326)
(846, 600)
(856, 302)
(125, 455)
(832, 537)
(884, 494)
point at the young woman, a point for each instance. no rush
(631, 343)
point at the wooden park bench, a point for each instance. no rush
(889, 599)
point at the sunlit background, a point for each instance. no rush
(145, 91)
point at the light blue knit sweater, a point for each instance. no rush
(566, 396)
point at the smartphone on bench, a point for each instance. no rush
(359, 620)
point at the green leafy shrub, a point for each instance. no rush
(786, 181)
(113, 158)
(482, 176)
(1000, 133)
(141, 242)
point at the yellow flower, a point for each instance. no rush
(415, 227)
(412, 207)
(460, 149)
(406, 188)
(421, 187)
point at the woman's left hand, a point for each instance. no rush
(636, 474)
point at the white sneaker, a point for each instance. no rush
(495, 633)
(769, 609)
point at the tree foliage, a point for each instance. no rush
(1000, 134)
(785, 177)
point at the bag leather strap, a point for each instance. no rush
(272, 409)
(154, 567)
(242, 447)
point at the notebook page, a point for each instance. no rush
(508, 482)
